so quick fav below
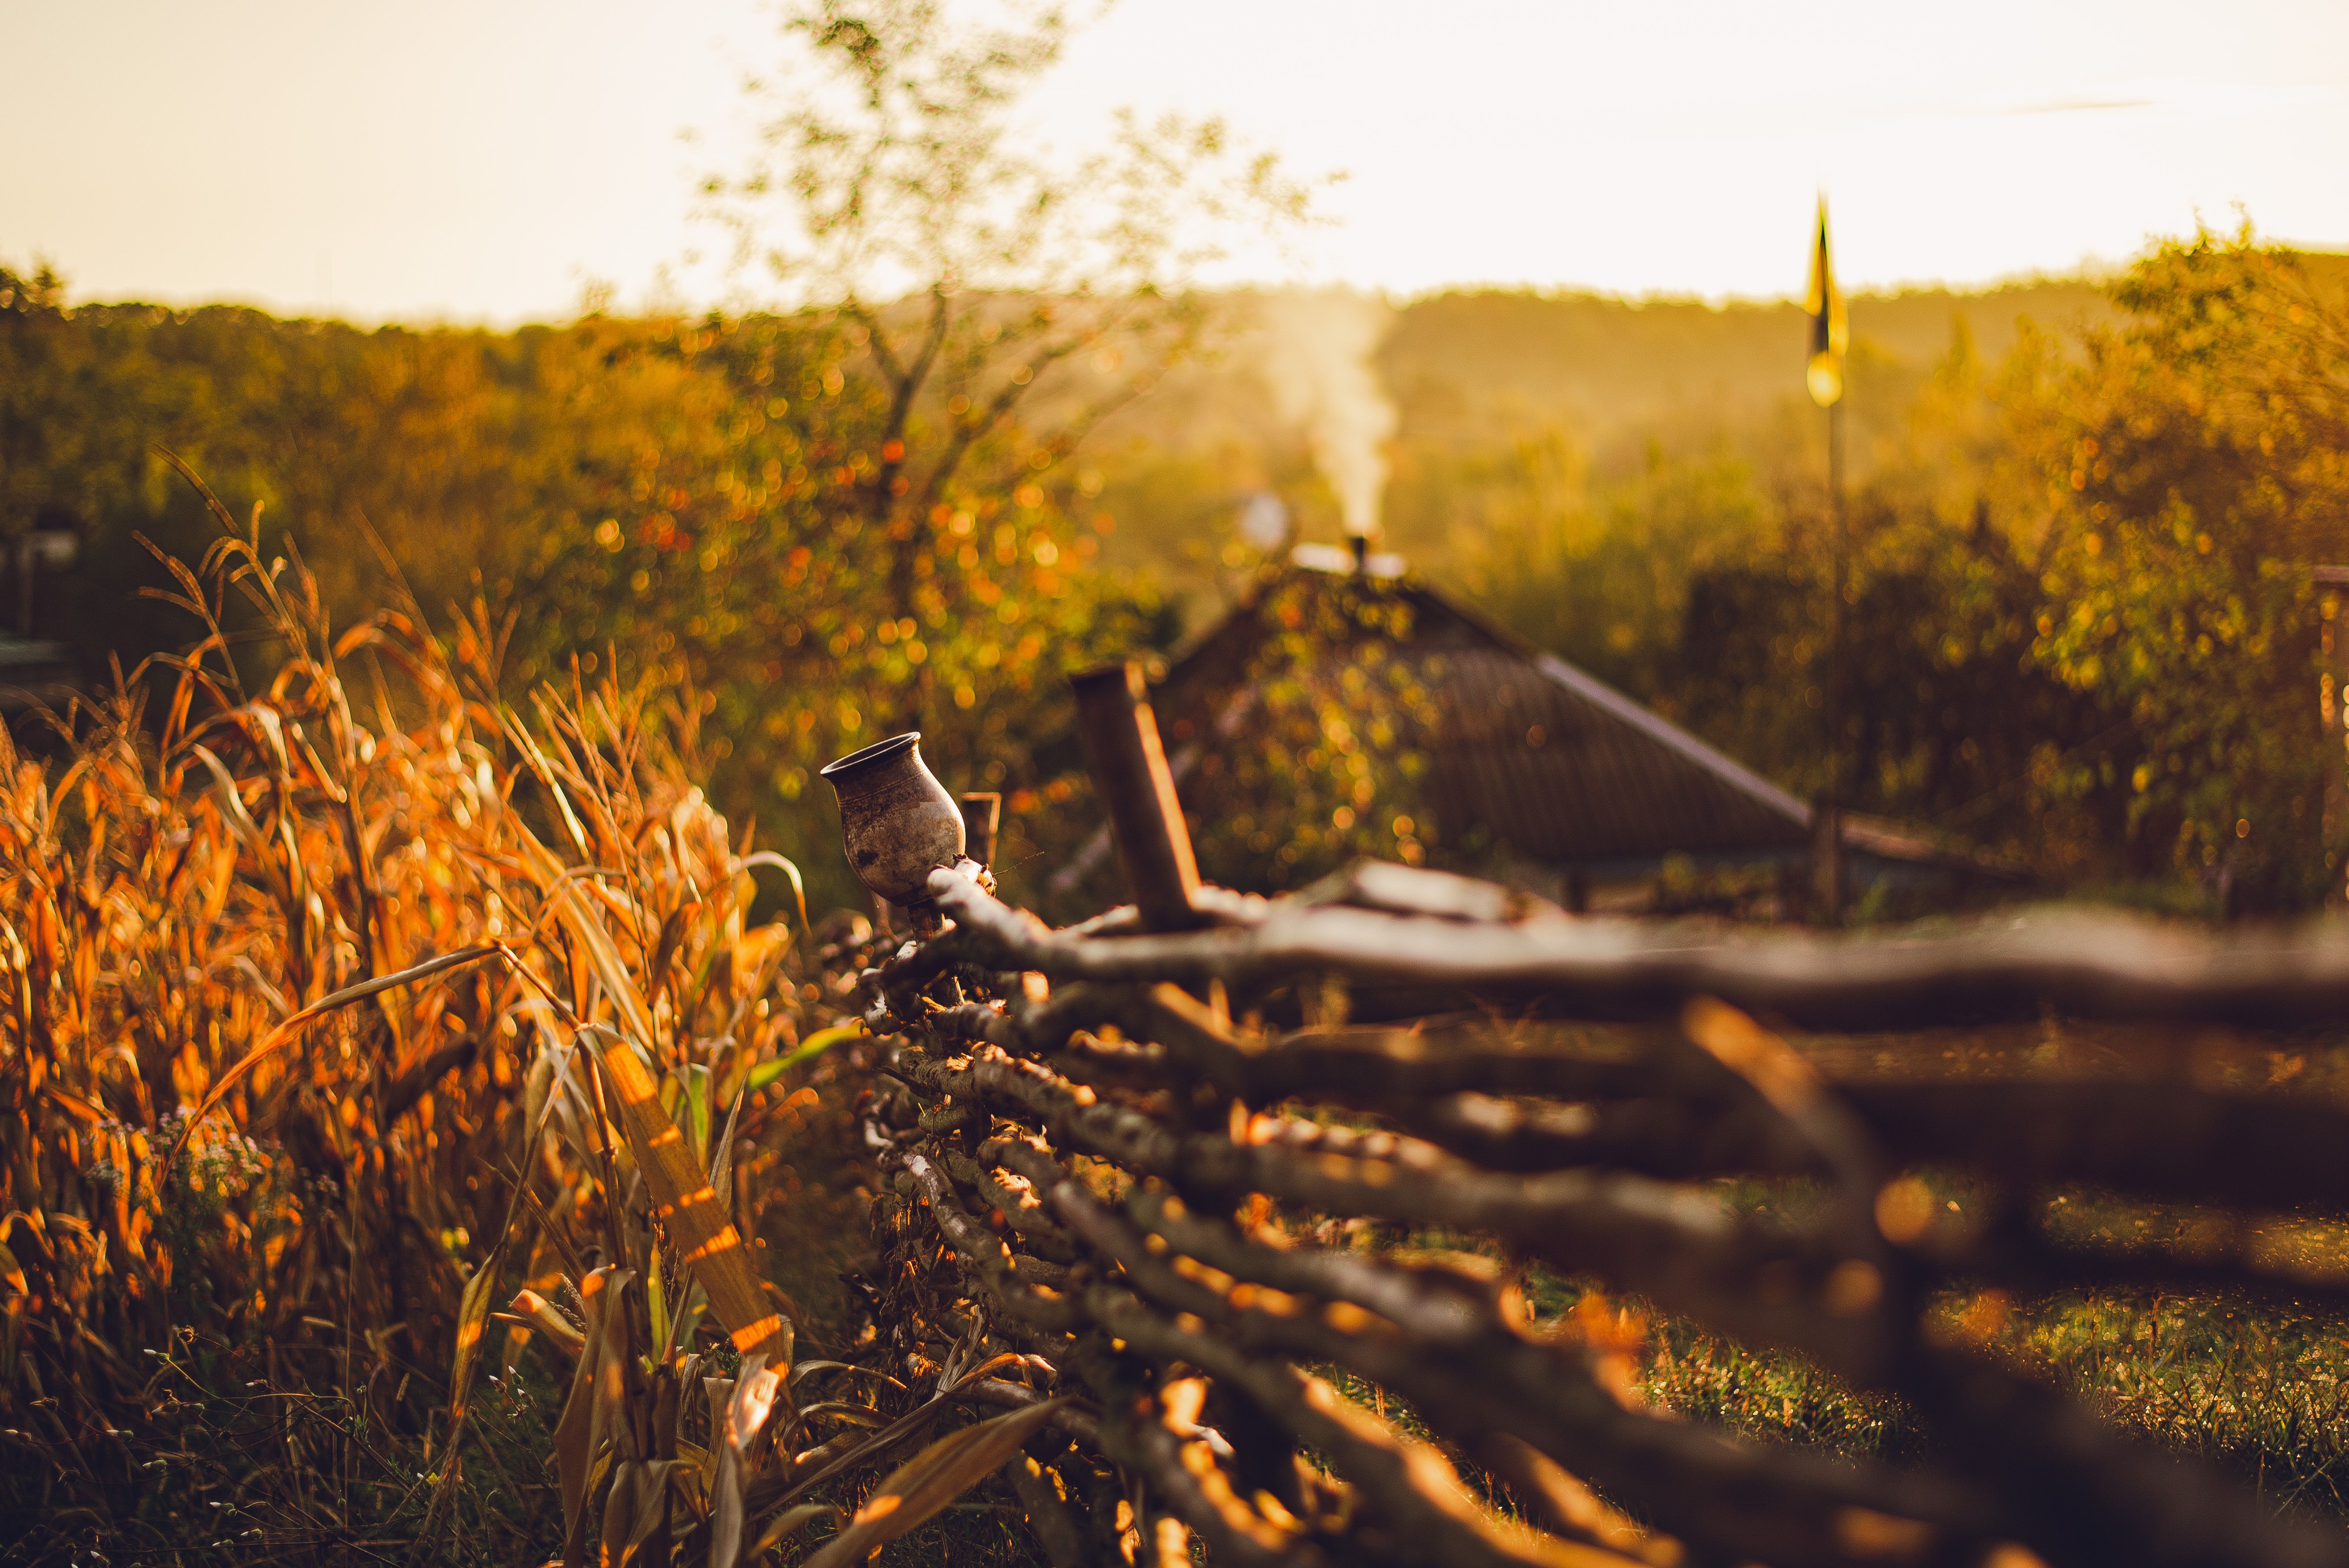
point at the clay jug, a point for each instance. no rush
(896, 820)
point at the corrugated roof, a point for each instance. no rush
(1544, 757)
(1537, 756)
(1559, 773)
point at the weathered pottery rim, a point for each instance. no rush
(878, 751)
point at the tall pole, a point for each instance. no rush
(1826, 852)
(1830, 335)
(2332, 699)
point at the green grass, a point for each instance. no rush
(2258, 1388)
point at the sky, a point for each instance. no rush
(483, 160)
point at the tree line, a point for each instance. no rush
(2082, 595)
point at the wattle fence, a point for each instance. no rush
(1192, 1167)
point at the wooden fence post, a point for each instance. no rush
(1129, 768)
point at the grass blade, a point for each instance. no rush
(815, 1046)
(930, 1481)
(571, 906)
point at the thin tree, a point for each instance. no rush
(1005, 301)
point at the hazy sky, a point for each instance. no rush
(480, 159)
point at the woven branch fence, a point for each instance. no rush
(1120, 1163)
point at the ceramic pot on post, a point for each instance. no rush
(896, 818)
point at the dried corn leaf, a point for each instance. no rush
(930, 1481)
(693, 1080)
(805, 1369)
(788, 1524)
(539, 1314)
(637, 1514)
(769, 858)
(578, 916)
(683, 1199)
(721, 1154)
(232, 806)
(718, 1392)
(293, 1026)
(688, 1207)
(472, 1319)
(528, 747)
(598, 1393)
(847, 1415)
(755, 1393)
(691, 1479)
(752, 1401)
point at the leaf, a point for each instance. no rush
(672, 934)
(847, 1414)
(598, 1389)
(754, 952)
(293, 1026)
(769, 858)
(13, 1272)
(752, 1402)
(473, 1318)
(232, 805)
(657, 1297)
(718, 1392)
(538, 1088)
(755, 1393)
(682, 1196)
(683, 1199)
(790, 1523)
(926, 1483)
(687, 1205)
(694, 1078)
(636, 1511)
(721, 1154)
(691, 1477)
(571, 907)
(814, 1046)
(528, 747)
(805, 1368)
(537, 1311)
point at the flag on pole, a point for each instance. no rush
(1830, 327)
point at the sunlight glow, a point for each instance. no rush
(494, 162)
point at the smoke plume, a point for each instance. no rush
(1317, 350)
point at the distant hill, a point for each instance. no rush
(1473, 370)
(1461, 364)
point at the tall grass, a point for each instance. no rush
(240, 1246)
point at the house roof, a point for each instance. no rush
(1563, 768)
(1550, 762)
(1546, 757)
